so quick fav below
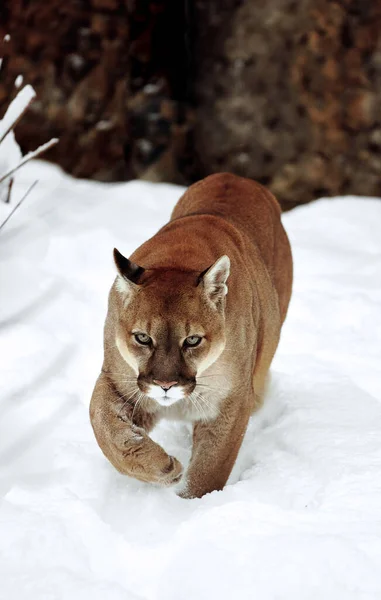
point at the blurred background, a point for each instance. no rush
(283, 91)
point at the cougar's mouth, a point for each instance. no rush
(166, 393)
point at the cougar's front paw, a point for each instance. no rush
(187, 494)
(137, 455)
(172, 472)
(188, 489)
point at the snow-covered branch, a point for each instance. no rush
(15, 110)
(11, 158)
(29, 156)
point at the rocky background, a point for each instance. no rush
(284, 91)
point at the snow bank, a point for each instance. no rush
(300, 518)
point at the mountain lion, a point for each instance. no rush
(193, 322)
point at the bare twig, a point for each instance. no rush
(29, 156)
(18, 204)
(10, 184)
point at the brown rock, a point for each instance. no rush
(102, 71)
(283, 91)
(288, 93)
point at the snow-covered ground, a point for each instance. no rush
(301, 516)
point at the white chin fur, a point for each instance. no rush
(165, 398)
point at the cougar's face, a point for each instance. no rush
(169, 332)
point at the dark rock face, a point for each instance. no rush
(102, 70)
(288, 94)
(283, 91)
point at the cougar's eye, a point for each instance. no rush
(192, 341)
(143, 339)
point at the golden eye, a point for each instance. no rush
(192, 341)
(143, 339)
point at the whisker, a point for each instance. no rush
(202, 399)
(126, 394)
(209, 387)
(139, 401)
(196, 402)
(207, 402)
(126, 402)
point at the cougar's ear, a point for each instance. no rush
(128, 272)
(214, 279)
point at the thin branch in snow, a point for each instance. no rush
(10, 185)
(29, 156)
(15, 110)
(18, 204)
(6, 38)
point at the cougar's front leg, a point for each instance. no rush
(127, 445)
(215, 448)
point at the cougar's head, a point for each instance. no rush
(170, 325)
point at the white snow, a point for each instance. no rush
(301, 516)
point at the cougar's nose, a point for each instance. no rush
(165, 385)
